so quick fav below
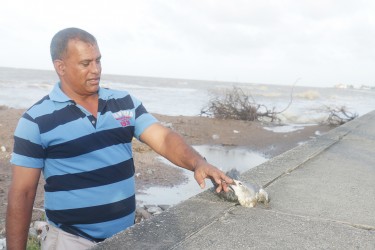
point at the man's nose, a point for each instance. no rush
(96, 67)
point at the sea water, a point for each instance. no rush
(301, 106)
(20, 88)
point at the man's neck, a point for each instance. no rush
(88, 101)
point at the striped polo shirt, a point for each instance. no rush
(86, 161)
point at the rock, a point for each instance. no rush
(215, 136)
(164, 207)
(147, 206)
(147, 211)
(141, 214)
(167, 124)
(154, 210)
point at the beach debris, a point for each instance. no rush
(339, 115)
(3, 149)
(39, 225)
(154, 210)
(147, 211)
(246, 194)
(238, 104)
(150, 171)
(215, 136)
(33, 233)
(3, 244)
(141, 214)
(167, 124)
(236, 131)
(38, 230)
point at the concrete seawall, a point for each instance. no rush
(322, 197)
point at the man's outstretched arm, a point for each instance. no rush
(172, 146)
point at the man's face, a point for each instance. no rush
(82, 68)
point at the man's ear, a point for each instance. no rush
(59, 67)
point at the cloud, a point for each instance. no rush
(255, 41)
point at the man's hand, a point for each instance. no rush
(205, 170)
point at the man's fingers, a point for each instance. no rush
(214, 174)
(200, 179)
(222, 179)
(221, 184)
(226, 179)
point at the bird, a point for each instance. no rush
(246, 194)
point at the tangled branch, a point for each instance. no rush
(339, 115)
(239, 106)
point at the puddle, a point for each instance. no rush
(287, 128)
(224, 158)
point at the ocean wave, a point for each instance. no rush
(22, 88)
(308, 95)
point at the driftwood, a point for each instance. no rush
(240, 106)
(339, 115)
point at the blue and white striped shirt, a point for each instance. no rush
(87, 163)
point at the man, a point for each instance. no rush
(80, 137)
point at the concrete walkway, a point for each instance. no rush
(322, 197)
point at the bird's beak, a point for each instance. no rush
(232, 184)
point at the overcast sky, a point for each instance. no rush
(323, 42)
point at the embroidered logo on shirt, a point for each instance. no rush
(123, 116)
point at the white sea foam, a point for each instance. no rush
(309, 95)
(285, 128)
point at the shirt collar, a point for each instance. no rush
(104, 93)
(58, 95)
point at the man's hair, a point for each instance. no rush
(60, 41)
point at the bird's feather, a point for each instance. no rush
(246, 194)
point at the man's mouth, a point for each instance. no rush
(93, 80)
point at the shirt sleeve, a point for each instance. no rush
(28, 150)
(143, 119)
